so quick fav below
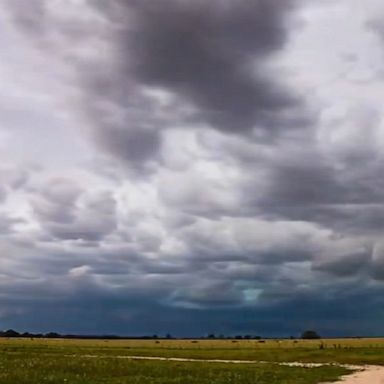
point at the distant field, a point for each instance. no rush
(350, 351)
(87, 362)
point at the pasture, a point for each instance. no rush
(110, 361)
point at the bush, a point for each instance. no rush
(310, 335)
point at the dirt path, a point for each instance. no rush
(183, 359)
(371, 374)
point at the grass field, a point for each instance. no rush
(100, 361)
(349, 351)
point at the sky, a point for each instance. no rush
(192, 167)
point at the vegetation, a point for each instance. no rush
(310, 335)
(81, 362)
(50, 360)
(54, 335)
(353, 351)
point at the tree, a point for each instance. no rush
(310, 335)
(52, 335)
(11, 333)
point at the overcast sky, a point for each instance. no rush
(192, 166)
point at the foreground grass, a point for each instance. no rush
(28, 367)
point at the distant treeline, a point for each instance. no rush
(308, 334)
(55, 335)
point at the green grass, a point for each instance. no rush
(350, 351)
(37, 361)
(30, 367)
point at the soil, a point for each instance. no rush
(371, 374)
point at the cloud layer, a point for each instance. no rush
(160, 162)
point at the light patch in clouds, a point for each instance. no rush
(78, 272)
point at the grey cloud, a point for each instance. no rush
(128, 312)
(353, 262)
(29, 15)
(253, 241)
(212, 55)
(206, 294)
(66, 212)
(132, 285)
(242, 230)
(7, 224)
(61, 191)
(303, 183)
(3, 193)
(13, 177)
(87, 231)
(377, 265)
(376, 25)
(297, 177)
(126, 124)
(11, 180)
(211, 58)
(192, 193)
(56, 200)
(133, 145)
(355, 219)
(314, 185)
(94, 221)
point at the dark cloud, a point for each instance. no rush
(376, 26)
(307, 184)
(255, 214)
(65, 212)
(131, 314)
(302, 184)
(134, 145)
(213, 55)
(56, 201)
(209, 61)
(351, 263)
(208, 294)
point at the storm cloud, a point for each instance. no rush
(192, 65)
(213, 54)
(163, 160)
